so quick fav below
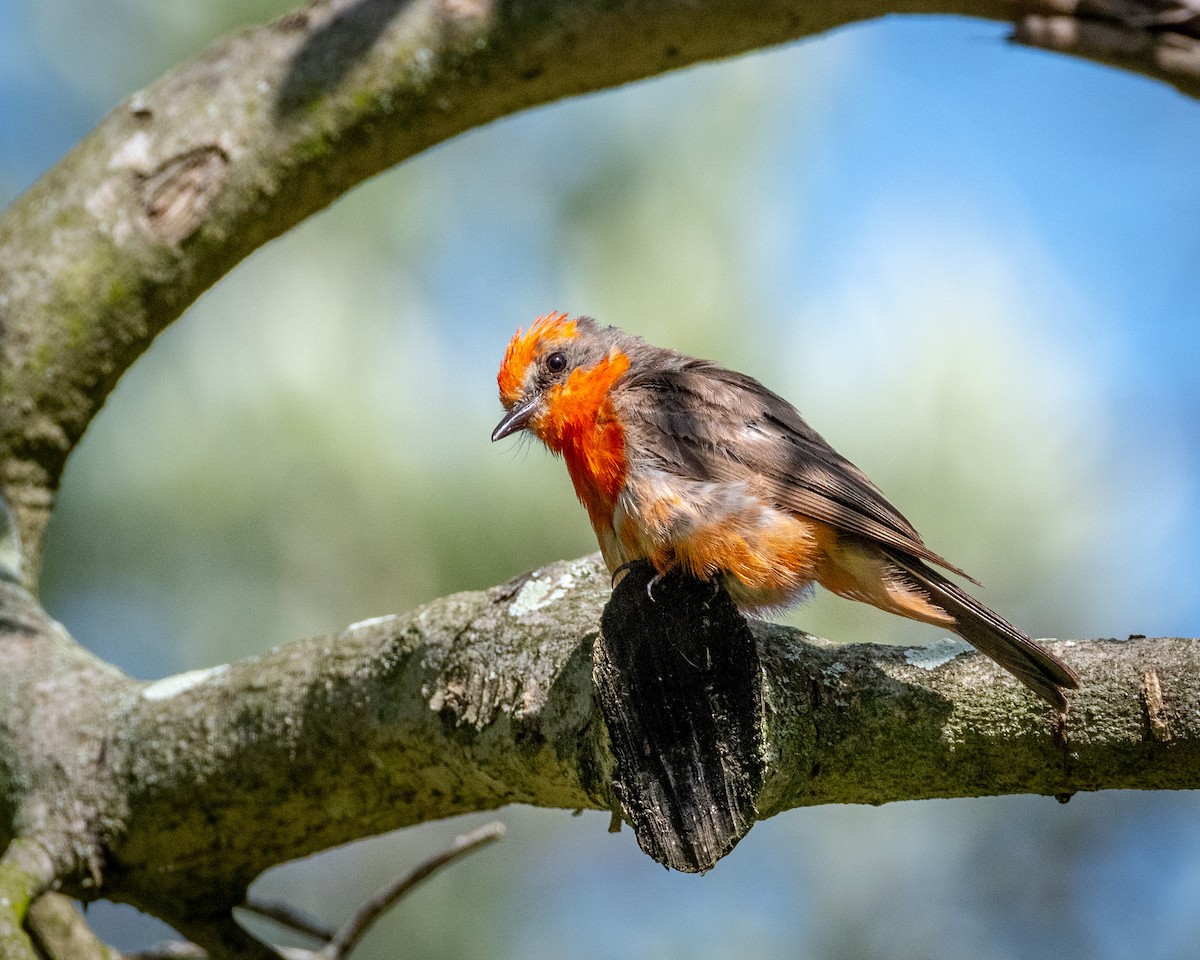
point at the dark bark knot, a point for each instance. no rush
(177, 195)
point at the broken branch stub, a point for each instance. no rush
(679, 685)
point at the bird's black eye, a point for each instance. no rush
(556, 362)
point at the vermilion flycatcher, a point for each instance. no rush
(694, 467)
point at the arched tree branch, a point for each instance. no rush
(205, 165)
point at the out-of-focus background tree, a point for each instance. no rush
(971, 266)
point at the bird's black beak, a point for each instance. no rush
(516, 418)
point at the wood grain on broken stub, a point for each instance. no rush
(679, 685)
(177, 195)
(1156, 710)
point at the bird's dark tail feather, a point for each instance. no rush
(992, 635)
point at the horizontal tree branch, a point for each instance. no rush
(193, 173)
(484, 699)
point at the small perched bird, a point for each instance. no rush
(697, 468)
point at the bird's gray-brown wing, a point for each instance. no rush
(708, 423)
(705, 422)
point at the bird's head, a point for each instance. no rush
(556, 370)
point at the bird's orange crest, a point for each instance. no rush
(523, 349)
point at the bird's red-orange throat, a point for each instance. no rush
(691, 466)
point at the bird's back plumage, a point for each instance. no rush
(709, 423)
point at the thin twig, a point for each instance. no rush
(338, 946)
(291, 917)
(223, 938)
(170, 950)
(356, 927)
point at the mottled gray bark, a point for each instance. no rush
(174, 795)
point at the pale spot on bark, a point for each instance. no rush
(937, 653)
(169, 687)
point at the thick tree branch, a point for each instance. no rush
(458, 706)
(62, 933)
(1160, 38)
(196, 171)
(484, 699)
(26, 871)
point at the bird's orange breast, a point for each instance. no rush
(580, 423)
